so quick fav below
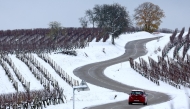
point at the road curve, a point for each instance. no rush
(94, 74)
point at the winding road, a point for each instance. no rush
(94, 74)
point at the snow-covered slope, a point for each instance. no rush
(120, 72)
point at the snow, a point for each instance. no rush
(120, 72)
(26, 73)
(5, 87)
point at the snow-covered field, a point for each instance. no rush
(120, 72)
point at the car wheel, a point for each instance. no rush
(145, 103)
(129, 103)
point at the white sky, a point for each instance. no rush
(119, 72)
(24, 14)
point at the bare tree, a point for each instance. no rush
(91, 16)
(148, 16)
(55, 29)
(83, 22)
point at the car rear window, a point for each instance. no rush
(136, 93)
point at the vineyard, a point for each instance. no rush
(31, 47)
(39, 40)
(173, 71)
(38, 86)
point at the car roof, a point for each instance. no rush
(138, 90)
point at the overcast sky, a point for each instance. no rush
(25, 14)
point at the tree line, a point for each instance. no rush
(115, 19)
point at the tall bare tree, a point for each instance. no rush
(148, 16)
(55, 29)
(83, 22)
(91, 16)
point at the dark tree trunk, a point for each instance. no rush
(113, 40)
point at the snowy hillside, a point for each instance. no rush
(120, 72)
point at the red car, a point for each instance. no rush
(138, 96)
